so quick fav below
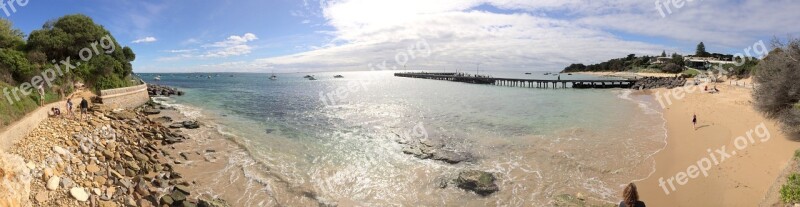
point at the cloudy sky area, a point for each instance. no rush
(503, 35)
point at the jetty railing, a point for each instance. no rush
(516, 82)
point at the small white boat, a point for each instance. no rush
(157, 78)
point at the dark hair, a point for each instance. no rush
(630, 196)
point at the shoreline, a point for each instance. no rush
(223, 167)
(743, 179)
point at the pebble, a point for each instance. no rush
(79, 194)
(52, 183)
(41, 197)
(60, 150)
(92, 168)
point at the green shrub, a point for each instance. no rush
(691, 73)
(790, 191)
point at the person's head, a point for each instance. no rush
(630, 195)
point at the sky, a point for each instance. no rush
(287, 36)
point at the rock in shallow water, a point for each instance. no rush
(479, 182)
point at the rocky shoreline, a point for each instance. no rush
(161, 90)
(659, 82)
(112, 158)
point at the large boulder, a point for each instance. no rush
(151, 111)
(16, 179)
(479, 182)
(211, 202)
(191, 125)
(451, 157)
(123, 115)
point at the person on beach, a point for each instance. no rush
(630, 197)
(694, 121)
(55, 111)
(41, 94)
(84, 107)
(69, 107)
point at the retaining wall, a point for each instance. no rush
(127, 98)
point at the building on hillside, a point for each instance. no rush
(704, 63)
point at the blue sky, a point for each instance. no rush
(324, 35)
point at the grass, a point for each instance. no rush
(691, 72)
(14, 111)
(790, 192)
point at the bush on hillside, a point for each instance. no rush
(15, 64)
(672, 68)
(777, 92)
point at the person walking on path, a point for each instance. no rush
(694, 121)
(84, 107)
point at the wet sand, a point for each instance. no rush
(220, 168)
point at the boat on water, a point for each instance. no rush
(527, 73)
(547, 73)
(307, 76)
(273, 76)
(157, 78)
(569, 73)
(338, 76)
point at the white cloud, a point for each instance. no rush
(145, 40)
(528, 35)
(233, 46)
(180, 51)
(370, 32)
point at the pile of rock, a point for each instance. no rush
(160, 90)
(114, 158)
(435, 150)
(659, 82)
(480, 182)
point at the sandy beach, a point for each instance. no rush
(742, 173)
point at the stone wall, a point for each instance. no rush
(22, 127)
(127, 98)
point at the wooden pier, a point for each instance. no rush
(525, 83)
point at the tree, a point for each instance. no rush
(14, 63)
(65, 37)
(701, 50)
(10, 37)
(678, 60)
(776, 95)
(663, 53)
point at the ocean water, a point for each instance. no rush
(341, 139)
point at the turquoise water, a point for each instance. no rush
(340, 138)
